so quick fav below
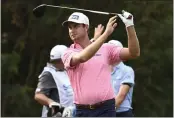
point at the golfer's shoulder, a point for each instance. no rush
(71, 49)
(68, 50)
(108, 45)
(68, 53)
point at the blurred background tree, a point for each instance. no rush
(27, 40)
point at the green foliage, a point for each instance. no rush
(17, 101)
(26, 42)
(9, 66)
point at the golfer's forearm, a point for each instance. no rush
(96, 37)
(42, 99)
(133, 43)
(90, 50)
(118, 100)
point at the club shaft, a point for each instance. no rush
(92, 11)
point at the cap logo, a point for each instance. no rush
(52, 56)
(75, 17)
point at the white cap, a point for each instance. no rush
(57, 52)
(77, 17)
(116, 43)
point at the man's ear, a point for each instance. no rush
(87, 27)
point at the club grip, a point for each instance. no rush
(114, 14)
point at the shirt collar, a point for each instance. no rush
(77, 46)
(117, 67)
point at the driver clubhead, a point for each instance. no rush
(39, 10)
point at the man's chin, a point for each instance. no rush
(75, 39)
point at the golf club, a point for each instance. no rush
(40, 10)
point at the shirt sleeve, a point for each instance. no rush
(66, 58)
(113, 53)
(129, 77)
(47, 86)
(45, 83)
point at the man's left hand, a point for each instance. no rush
(127, 18)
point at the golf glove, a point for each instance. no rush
(68, 111)
(127, 18)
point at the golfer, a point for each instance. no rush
(87, 64)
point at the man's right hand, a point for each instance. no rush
(55, 108)
(51, 104)
(127, 18)
(111, 25)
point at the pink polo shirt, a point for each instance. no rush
(91, 81)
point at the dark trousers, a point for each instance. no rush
(125, 113)
(106, 110)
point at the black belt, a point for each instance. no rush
(93, 106)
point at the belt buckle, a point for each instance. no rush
(90, 107)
